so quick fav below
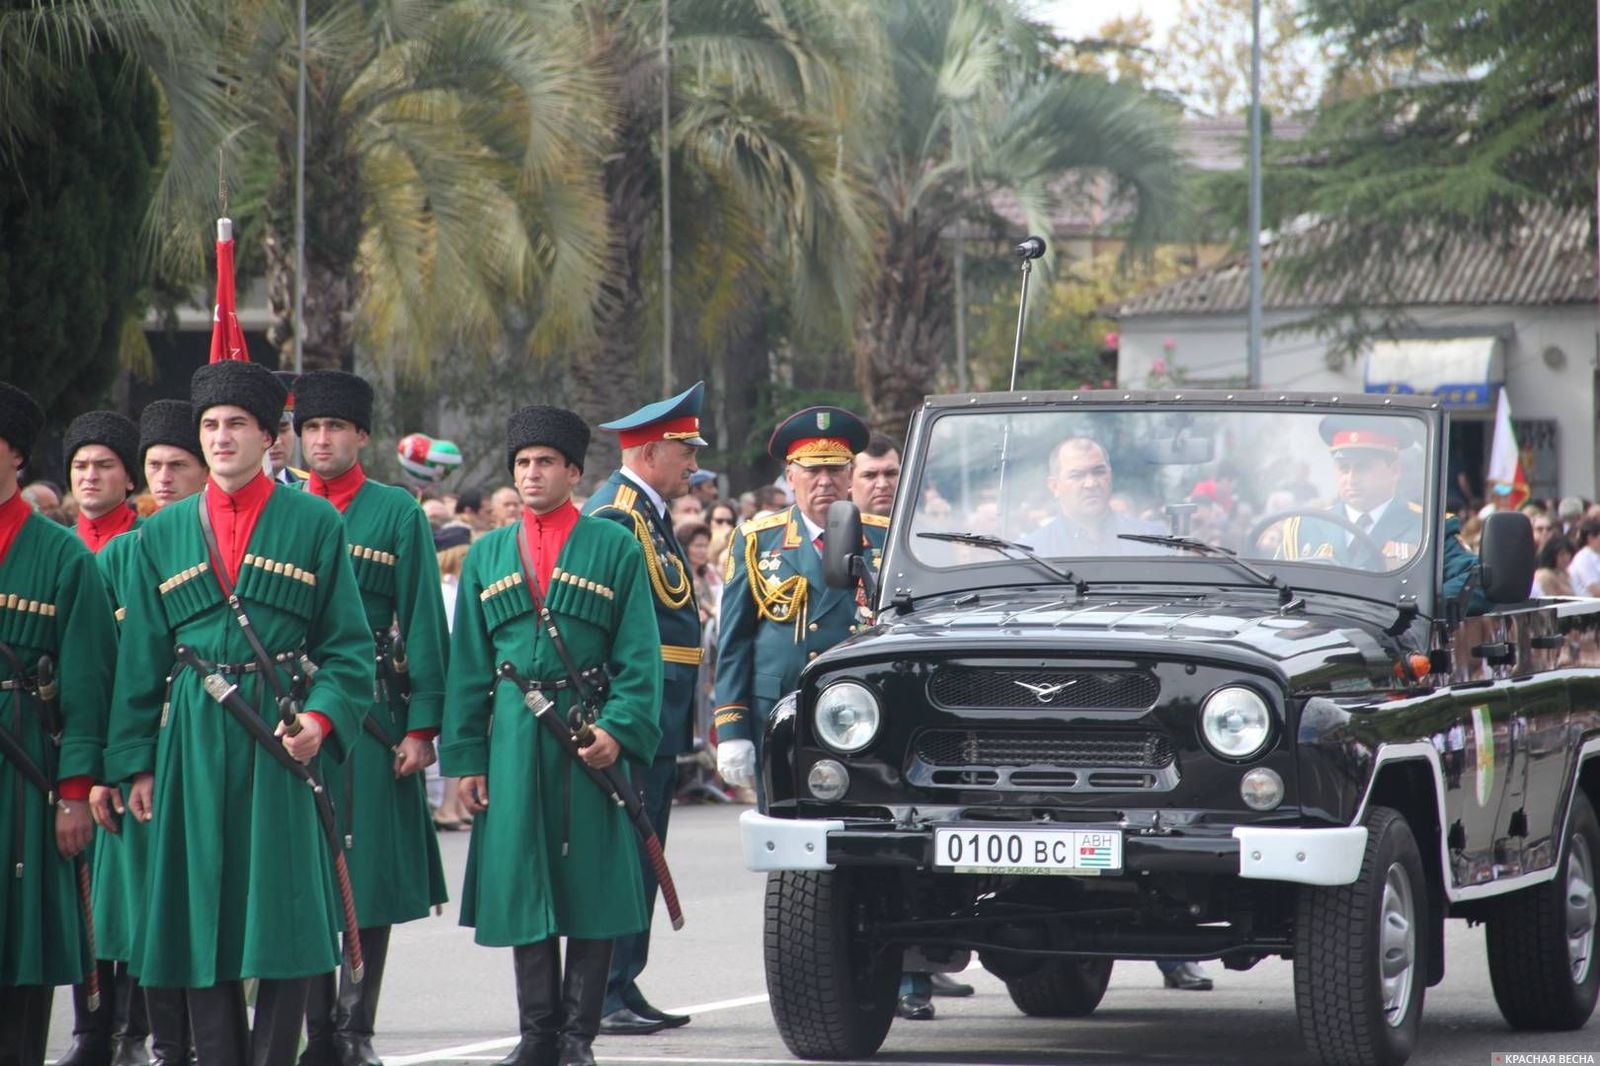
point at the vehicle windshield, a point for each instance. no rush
(1338, 490)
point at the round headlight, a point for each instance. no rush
(1261, 789)
(1235, 722)
(847, 716)
(828, 780)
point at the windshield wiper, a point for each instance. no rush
(1200, 547)
(996, 544)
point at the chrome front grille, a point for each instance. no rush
(1007, 688)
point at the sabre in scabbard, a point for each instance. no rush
(226, 694)
(611, 780)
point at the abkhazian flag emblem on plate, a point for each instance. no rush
(823, 418)
(1094, 855)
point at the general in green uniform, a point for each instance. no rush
(390, 843)
(240, 878)
(658, 456)
(552, 856)
(777, 612)
(53, 604)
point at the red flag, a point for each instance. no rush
(227, 339)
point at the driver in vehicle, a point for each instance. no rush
(1368, 470)
(1080, 480)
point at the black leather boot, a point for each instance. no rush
(280, 1015)
(357, 1011)
(168, 1011)
(217, 1022)
(130, 1024)
(24, 1024)
(583, 996)
(321, 1023)
(91, 1030)
(538, 973)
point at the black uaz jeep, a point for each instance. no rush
(1184, 676)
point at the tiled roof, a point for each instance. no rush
(1549, 259)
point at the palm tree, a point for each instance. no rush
(977, 108)
(451, 153)
(761, 200)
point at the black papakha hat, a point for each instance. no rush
(235, 383)
(550, 427)
(21, 419)
(170, 422)
(332, 394)
(114, 431)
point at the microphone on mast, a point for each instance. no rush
(1032, 248)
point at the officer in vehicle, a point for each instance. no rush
(1368, 470)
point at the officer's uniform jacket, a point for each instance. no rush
(239, 882)
(393, 850)
(552, 856)
(1398, 533)
(52, 602)
(777, 615)
(677, 611)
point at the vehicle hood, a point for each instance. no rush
(1301, 646)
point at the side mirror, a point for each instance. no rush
(841, 545)
(1506, 557)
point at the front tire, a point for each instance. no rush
(1359, 953)
(832, 995)
(1541, 940)
(1062, 988)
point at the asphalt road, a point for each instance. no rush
(447, 1000)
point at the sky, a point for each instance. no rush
(1079, 18)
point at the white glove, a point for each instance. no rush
(736, 762)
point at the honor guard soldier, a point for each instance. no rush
(554, 616)
(380, 797)
(243, 614)
(57, 649)
(281, 454)
(102, 470)
(777, 613)
(658, 460)
(1370, 525)
(169, 453)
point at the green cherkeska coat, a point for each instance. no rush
(394, 852)
(52, 602)
(759, 658)
(240, 881)
(120, 858)
(520, 887)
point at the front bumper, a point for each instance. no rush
(1313, 856)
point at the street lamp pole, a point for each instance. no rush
(666, 201)
(1253, 342)
(300, 204)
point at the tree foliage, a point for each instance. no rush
(1499, 117)
(74, 183)
(978, 108)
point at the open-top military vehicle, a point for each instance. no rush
(1184, 676)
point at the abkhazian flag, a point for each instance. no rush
(1508, 478)
(227, 339)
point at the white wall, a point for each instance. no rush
(1212, 348)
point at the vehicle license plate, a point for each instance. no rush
(1087, 852)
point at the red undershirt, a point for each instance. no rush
(13, 513)
(339, 490)
(545, 535)
(96, 533)
(233, 518)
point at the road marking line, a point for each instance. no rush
(470, 1051)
